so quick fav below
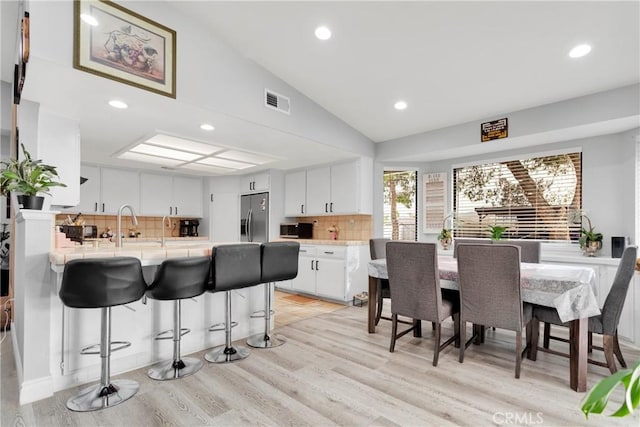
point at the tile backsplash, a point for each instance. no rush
(148, 226)
(350, 227)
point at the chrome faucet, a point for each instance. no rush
(165, 218)
(134, 220)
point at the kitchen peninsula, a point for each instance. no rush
(48, 337)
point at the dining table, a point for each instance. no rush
(568, 288)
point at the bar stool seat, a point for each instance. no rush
(175, 280)
(102, 283)
(279, 261)
(233, 266)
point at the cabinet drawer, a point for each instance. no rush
(331, 252)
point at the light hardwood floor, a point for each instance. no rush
(332, 372)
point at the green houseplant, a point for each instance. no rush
(29, 178)
(445, 235)
(598, 397)
(590, 241)
(497, 231)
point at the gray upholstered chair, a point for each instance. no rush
(605, 323)
(378, 251)
(414, 282)
(529, 249)
(458, 242)
(489, 280)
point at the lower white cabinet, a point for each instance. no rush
(331, 271)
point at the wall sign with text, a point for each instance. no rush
(496, 129)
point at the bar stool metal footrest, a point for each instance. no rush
(164, 335)
(259, 314)
(221, 326)
(122, 344)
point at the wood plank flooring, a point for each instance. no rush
(332, 372)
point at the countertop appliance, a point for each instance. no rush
(254, 217)
(296, 230)
(77, 233)
(189, 227)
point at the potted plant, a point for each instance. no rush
(445, 235)
(29, 178)
(596, 400)
(497, 231)
(590, 241)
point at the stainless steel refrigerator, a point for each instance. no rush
(254, 217)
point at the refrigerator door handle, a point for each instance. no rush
(249, 220)
(246, 225)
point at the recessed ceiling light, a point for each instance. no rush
(400, 105)
(117, 104)
(89, 19)
(206, 126)
(323, 33)
(580, 51)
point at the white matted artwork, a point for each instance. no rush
(434, 190)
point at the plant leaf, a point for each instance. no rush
(597, 398)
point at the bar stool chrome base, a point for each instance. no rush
(98, 396)
(226, 354)
(172, 369)
(265, 341)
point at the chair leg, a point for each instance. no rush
(547, 334)
(607, 345)
(617, 351)
(379, 302)
(178, 367)
(456, 329)
(394, 331)
(436, 350)
(265, 339)
(518, 352)
(417, 328)
(463, 340)
(227, 352)
(534, 338)
(107, 393)
(590, 342)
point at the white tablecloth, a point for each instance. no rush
(570, 289)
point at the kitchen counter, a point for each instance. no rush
(326, 242)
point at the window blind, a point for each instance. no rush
(534, 198)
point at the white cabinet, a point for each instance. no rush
(170, 195)
(295, 192)
(90, 190)
(119, 187)
(255, 183)
(344, 188)
(334, 272)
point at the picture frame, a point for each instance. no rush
(116, 43)
(434, 193)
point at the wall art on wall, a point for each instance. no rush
(119, 44)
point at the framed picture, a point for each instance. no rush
(434, 187)
(113, 42)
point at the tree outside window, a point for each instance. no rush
(400, 205)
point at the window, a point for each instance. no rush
(534, 198)
(400, 209)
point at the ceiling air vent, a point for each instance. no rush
(277, 101)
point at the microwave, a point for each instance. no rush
(297, 230)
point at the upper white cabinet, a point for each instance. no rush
(170, 195)
(119, 187)
(295, 190)
(340, 189)
(255, 183)
(90, 201)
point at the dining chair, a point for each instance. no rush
(414, 282)
(378, 251)
(529, 249)
(489, 282)
(458, 242)
(605, 323)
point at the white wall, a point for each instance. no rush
(608, 176)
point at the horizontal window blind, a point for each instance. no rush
(400, 221)
(534, 198)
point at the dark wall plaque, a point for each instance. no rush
(496, 129)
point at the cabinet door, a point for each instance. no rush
(330, 278)
(318, 191)
(155, 194)
(224, 217)
(295, 191)
(306, 279)
(246, 184)
(187, 196)
(344, 188)
(119, 187)
(261, 181)
(90, 190)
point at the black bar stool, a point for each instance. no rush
(177, 279)
(103, 283)
(279, 261)
(233, 267)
